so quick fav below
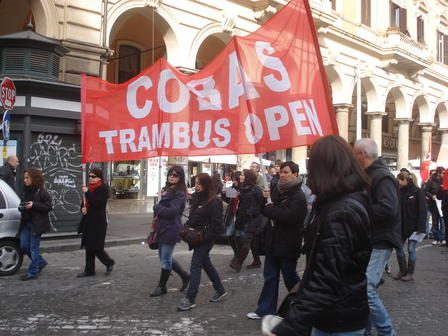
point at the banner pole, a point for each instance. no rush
(260, 157)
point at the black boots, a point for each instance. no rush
(402, 267)
(161, 288)
(256, 263)
(411, 269)
(185, 276)
(234, 245)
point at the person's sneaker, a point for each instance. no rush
(185, 304)
(387, 269)
(253, 316)
(435, 242)
(218, 296)
(443, 242)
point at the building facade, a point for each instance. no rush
(386, 60)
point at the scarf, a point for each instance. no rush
(284, 187)
(92, 187)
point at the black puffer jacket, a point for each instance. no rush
(250, 207)
(332, 296)
(207, 215)
(413, 210)
(383, 191)
(284, 231)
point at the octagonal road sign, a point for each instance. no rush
(7, 93)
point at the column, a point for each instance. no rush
(376, 128)
(444, 132)
(426, 138)
(299, 155)
(403, 142)
(342, 119)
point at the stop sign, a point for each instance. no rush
(7, 93)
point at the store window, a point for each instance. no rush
(126, 179)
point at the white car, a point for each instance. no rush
(11, 256)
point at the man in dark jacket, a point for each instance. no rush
(432, 188)
(8, 171)
(386, 229)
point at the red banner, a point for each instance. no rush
(263, 92)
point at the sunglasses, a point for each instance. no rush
(93, 176)
(173, 175)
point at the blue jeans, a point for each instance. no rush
(317, 332)
(438, 229)
(29, 243)
(412, 245)
(201, 260)
(267, 303)
(428, 215)
(166, 256)
(378, 317)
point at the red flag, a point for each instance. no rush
(424, 166)
(264, 92)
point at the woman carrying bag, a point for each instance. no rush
(205, 215)
(168, 223)
(93, 224)
(35, 205)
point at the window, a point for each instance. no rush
(333, 4)
(420, 29)
(365, 12)
(128, 63)
(2, 201)
(398, 17)
(442, 48)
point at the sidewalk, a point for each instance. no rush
(128, 223)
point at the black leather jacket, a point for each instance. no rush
(332, 296)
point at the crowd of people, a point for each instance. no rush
(347, 219)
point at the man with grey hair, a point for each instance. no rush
(8, 171)
(386, 229)
(261, 179)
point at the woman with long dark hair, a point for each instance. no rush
(169, 221)
(35, 205)
(413, 219)
(94, 223)
(248, 217)
(331, 298)
(205, 215)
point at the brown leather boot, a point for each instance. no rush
(256, 263)
(402, 268)
(237, 264)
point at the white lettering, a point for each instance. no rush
(238, 83)
(254, 128)
(298, 117)
(182, 100)
(127, 137)
(209, 98)
(161, 138)
(273, 63)
(181, 136)
(222, 132)
(312, 117)
(273, 123)
(108, 135)
(207, 131)
(131, 97)
(143, 139)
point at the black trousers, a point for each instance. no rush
(101, 255)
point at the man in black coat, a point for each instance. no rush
(386, 228)
(8, 171)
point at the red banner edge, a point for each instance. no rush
(83, 119)
(322, 69)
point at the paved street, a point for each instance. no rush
(58, 303)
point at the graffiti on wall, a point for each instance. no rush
(59, 159)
